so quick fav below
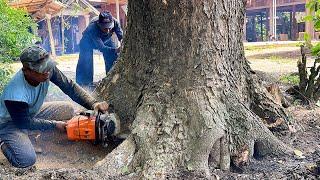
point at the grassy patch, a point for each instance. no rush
(260, 47)
(67, 57)
(290, 79)
(281, 60)
(275, 59)
(269, 46)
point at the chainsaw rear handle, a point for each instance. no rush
(90, 113)
(87, 113)
(111, 108)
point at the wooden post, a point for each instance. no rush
(53, 48)
(294, 25)
(245, 28)
(118, 18)
(84, 21)
(62, 34)
(275, 20)
(309, 24)
(261, 27)
(87, 19)
(118, 10)
(254, 29)
(271, 22)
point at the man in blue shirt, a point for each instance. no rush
(98, 36)
(22, 107)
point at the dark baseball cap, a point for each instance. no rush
(37, 59)
(106, 20)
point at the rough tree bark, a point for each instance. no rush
(186, 90)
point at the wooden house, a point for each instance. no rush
(277, 20)
(61, 22)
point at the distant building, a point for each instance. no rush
(277, 20)
(266, 20)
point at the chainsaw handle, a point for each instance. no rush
(87, 113)
(99, 113)
(111, 108)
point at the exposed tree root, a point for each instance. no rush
(265, 106)
(257, 133)
(117, 162)
(278, 97)
(162, 140)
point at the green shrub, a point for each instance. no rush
(290, 79)
(16, 28)
(6, 73)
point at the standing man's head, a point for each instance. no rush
(36, 64)
(105, 21)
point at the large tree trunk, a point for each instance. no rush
(186, 90)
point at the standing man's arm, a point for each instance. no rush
(97, 41)
(93, 34)
(73, 90)
(118, 30)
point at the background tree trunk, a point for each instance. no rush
(186, 90)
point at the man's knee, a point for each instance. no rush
(21, 159)
(58, 110)
(68, 110)
(66, 105)
(64, 110)
(26, 161)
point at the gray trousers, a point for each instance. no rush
(16, 145)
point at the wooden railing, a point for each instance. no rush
(257, 3)
(264, 3)
(289, 1)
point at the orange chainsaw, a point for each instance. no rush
(100, 129)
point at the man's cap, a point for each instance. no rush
(106, 20)
(37, 59)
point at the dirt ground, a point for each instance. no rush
(55, 151)
(271, 64)
(307, 140)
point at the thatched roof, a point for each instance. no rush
(38, 8)
(121, 2)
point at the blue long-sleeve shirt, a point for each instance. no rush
(94, 38)
(21, 101)
(21, 117)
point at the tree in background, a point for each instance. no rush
(16, 28)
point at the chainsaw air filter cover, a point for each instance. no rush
(100, 129)
(82, 127)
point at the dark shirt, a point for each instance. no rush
(19, 112)
(22, 118)
(94, 38)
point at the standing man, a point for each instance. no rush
(97, 36)
(22, 107)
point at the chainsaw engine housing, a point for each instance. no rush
(99, 129)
